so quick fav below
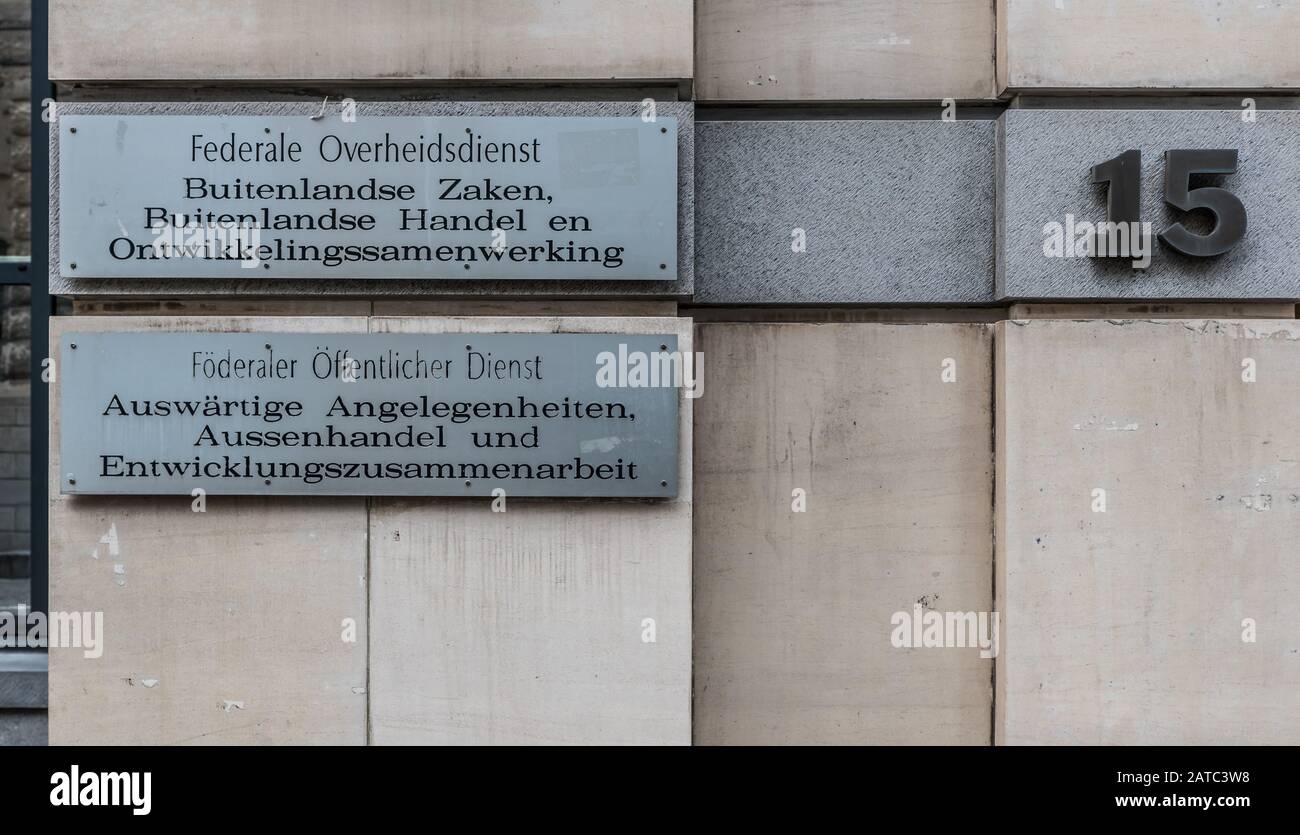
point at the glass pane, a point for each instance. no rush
(15, 309)
(15, 130)
(15, 446)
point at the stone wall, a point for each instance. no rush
(910, 403)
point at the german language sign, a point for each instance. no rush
(499, 197)
(557, 414)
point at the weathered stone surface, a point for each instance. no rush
(683, 286)
(223, 626)
(1160, 44)
(294, 40)
(893, 211)
(1125, 626)
(1044, 163)
(528, 626)
(793, 609)
(819, 50)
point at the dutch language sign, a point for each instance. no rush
(519, 197)
(555, 414)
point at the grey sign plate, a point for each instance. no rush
(543, 197)
(455, 403)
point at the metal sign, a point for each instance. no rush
(518, 197)
(558, 414)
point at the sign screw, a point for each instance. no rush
(73, 346)
(71, 480)
(72, 130)
(663, 484)
(663, 266)
(73, 265)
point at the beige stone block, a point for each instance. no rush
(222, 627)
(525, 627)
(1125, 625)
(1151, 45)
(1153, 310)
(828, 50)
(523, 307)
(793, 610)
(379, 40)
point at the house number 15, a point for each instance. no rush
(1123, 176)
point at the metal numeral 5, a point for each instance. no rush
(1123, 176)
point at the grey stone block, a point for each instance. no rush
(24, 727)
(1045, 159)
(23, 677)
(894, 211)
(684, 112)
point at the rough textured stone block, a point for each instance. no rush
(800, 50)
(23, 727)
(1126, 626)
(793, 609)
(23, 679)
(893, 211)
(683, 286)
(1161, 44)
(220, 627)
(1045, 158)
(526, 626)
(293, 40)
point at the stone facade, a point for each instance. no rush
(915, 410)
